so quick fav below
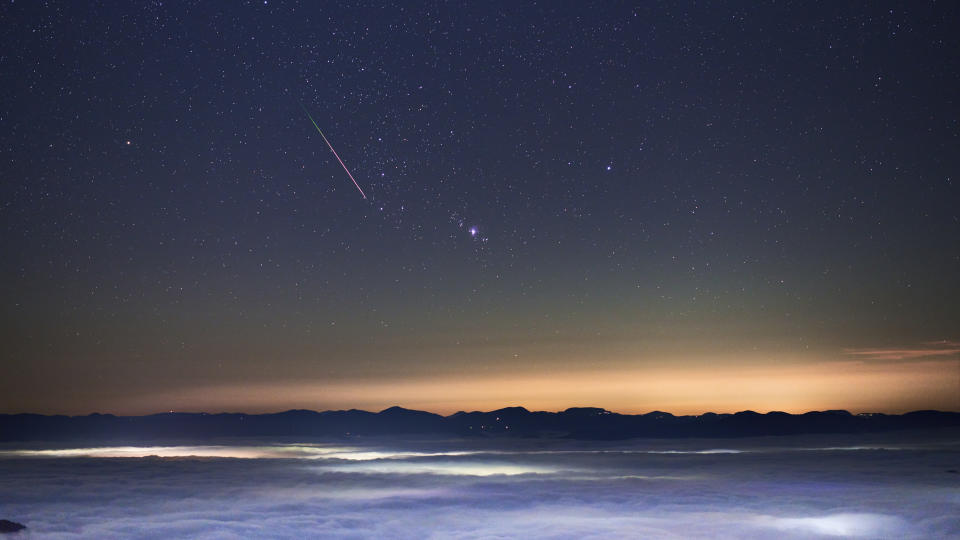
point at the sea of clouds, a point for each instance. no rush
(797, 487)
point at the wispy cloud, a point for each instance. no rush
(927, 349)
(943, 343)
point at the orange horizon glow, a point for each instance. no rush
(857, 386)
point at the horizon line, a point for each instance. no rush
(319, 411)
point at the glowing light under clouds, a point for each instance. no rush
(796, 388)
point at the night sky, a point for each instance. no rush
(684, 206)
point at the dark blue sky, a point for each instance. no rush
(555, 190)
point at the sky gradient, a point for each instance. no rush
(668, 206)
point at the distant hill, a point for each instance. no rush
(577, 423)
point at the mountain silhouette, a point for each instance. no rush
(578, 423)
(7, 526)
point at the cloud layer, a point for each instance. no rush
(929, 349)
(772, 488)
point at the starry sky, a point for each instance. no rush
(675, 205)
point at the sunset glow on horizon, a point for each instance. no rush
(892, 387)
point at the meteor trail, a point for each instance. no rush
(332, 150)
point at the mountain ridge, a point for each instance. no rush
(591, 423)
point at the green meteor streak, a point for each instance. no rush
(314, 122)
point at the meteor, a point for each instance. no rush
(332, 150)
